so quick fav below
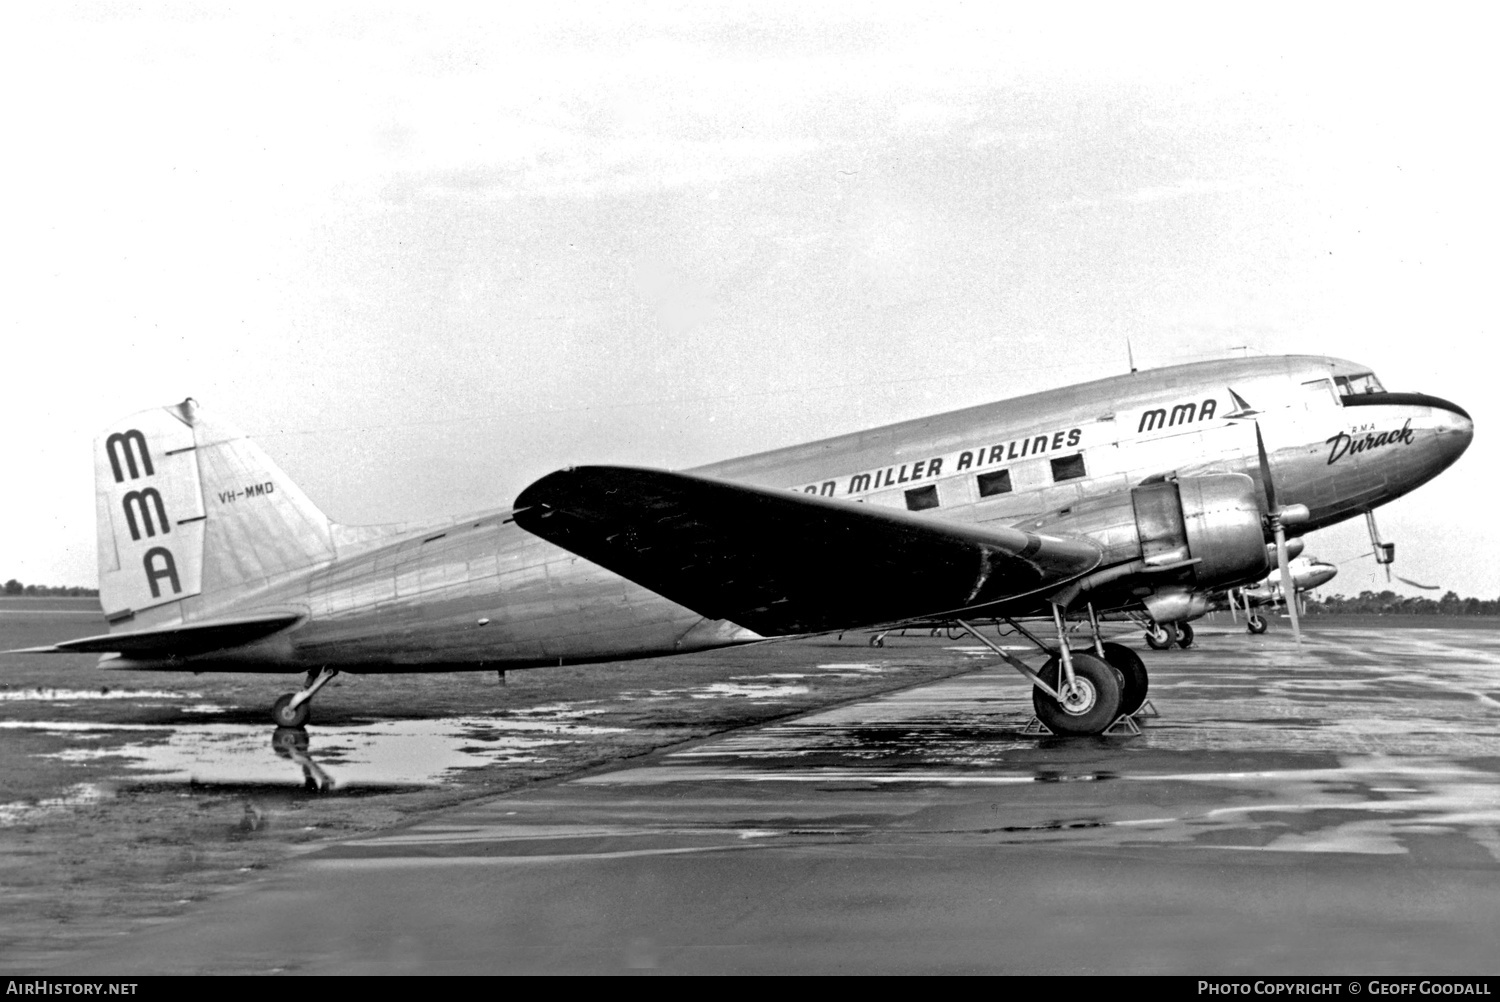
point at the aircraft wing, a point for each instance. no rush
(179, 640)
(779, 562)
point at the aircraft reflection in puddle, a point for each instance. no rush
(293, 743)
(376, 755)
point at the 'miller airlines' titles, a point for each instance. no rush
(969, 459)
(1153, 419)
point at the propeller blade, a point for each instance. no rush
(1234, 607)
(1288, 590)
(1265, 471)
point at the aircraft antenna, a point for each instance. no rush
(1130, 354)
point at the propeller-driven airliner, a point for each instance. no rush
(1307, 573)
(1135, 493)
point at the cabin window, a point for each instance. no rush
(922, 498)
(1364, 382)
(994, 483)
(1068, 467)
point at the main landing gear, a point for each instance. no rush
(1079, 692)
(1257, 623)
(1161, 636)
(293, 709)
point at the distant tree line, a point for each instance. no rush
(1389, 603)
(14, 587)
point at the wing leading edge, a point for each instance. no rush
(779, 562)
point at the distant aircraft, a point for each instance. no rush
(1307, 573)
(1136, 492)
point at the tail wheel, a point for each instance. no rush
(1088, 706)
(1184, 635)
(1256, 624)
(285, 715)
(1133, 672)
(1161, 636)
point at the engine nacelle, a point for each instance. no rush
(1176, 605)
(1214, 519)
(1294, 548)
(1211, 525)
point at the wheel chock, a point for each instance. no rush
(1035, 726)
(1123, 726)
(1148, 709)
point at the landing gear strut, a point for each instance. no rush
(1076, 692)
(293, 709)
(1161, 636)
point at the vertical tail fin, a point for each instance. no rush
(192, 512)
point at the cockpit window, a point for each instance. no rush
(1365, 382)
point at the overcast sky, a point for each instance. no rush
(425, 254)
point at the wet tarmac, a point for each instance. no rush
(1328, 809)
(192, 747)
(386, 754)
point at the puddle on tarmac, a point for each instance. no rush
(384, 754)
(850, 670)
(823, 671)
(774, 685)
(79, 695)
(1369, 805)
(980, 651)
(720, 690)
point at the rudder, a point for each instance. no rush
(191, 511)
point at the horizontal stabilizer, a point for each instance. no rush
(780, 562)
(180, 640)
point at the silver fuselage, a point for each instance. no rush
(480, 592)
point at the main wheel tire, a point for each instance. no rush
(1133, 670)
(1184, 635)
(1162, 636)
(285, 715)
(1092, 704)
(1257, 624)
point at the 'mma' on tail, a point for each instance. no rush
(193, 515)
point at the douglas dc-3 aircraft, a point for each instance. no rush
(1140, 491)
(1307, 573)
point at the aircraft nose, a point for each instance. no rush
(1455, 429)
